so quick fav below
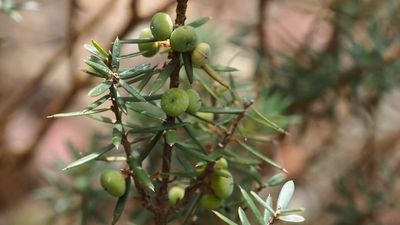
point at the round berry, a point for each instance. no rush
(150, 48)
(222, 183)
(183, 39)
(201, 54)
(175, 194)
(210, 201)
(161, 26)
(200, 167)
(194, 101)
(113, 182)
(221, 164)
(174, 102)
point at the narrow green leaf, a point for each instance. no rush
(117, 134)
(187, 62)
(252, 206)
(187, 174)
(100, 89)
(194, 153)
(221, 110)
(240, 159)
(292, 218)
(261, 156)
(137, 41)
(99, 49)
(191, 134)
(249, 173)
(162, 78)
(116, 52)
(291, 211)
(224, 218)
(89, 157)
(72, 114)
(150, 146)
(147, 98)
(214, 75)
(199, 22)
(101, 118)
(285, 195)
(96, 103)
(184, 162)
(146, 79)
(220, 68)
(120, 102)
(119, 207)
(206, 86)
(148, 110)
(138, 70)
(242, 216)
(264, 204)
(131, 90)
(103, 70)
(140, 174)
(92, 50)
(267, 121)
(141, 130)
(132, 55)
(93, 74)
(268, 212)
(277, 179)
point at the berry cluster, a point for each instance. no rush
(219, 186)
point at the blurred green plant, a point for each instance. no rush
(11, 8)
(375, 191)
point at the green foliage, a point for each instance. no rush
(11, 8)
(156, 141)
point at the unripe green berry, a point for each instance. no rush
(210, 201)
(194, 101)
(161, 26)
(174, 102)
(221, 164)
(201, 54)
(113, 182)
(183, 39)
(151, 48)
(200, 167)
(175, 194)
(222, 185)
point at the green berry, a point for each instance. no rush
(175, 194)
(174, 102)
(201, 54)
(210, 201)
(113, 182)
(222, 183)
(200, 167)
(194, 101)
(151, 48)
(221, 164)
(183, 39)
(161, 26)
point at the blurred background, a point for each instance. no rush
(329, 68)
